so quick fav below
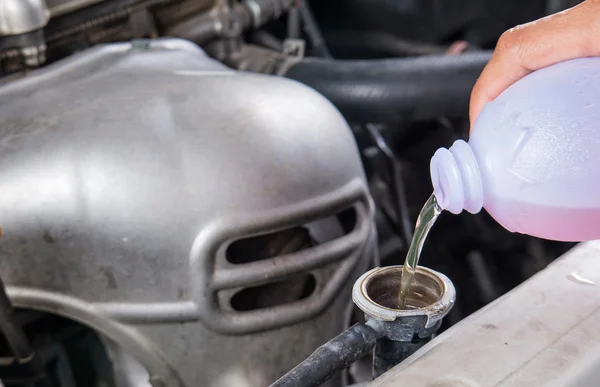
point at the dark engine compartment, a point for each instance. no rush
(400, 71)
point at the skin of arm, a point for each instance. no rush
(570, 34)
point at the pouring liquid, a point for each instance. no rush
(429, 213)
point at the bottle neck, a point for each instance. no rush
(456, 179)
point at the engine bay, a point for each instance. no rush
(191, 188)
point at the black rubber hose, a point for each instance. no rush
(333, 356)
(387, 90)
(378, 42)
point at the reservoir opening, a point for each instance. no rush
(383, 286)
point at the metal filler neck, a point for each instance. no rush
(404, 331)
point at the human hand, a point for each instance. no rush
(574, 33)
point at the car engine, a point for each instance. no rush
(190, 188)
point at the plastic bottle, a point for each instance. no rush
(533, 158)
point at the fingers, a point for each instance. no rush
(570, 34)
(501, 71)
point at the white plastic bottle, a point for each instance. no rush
(533, 159)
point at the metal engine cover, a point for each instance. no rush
(126, 173)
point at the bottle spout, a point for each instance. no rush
(456, 179)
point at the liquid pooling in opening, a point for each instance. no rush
(429, 213)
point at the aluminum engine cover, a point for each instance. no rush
(127, 172)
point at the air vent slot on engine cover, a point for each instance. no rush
(258, 272)
(290, 240)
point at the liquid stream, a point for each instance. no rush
(429, 213)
